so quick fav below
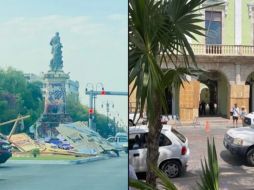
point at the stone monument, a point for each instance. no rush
(55, 94)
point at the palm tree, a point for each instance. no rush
(158, 33)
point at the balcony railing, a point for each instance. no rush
(222, 50)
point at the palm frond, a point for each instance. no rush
(210, 170)
(164, 181)
(140, 185)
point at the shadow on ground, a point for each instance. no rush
(233, 160)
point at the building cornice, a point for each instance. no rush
(250, 8)
(223, 7)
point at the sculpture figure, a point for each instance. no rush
(56, 62)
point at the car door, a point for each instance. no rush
(166, 149)
(137, 151)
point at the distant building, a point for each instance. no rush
(71, 86)
(30, 77)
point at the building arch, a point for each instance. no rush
(214, 92)
(246, 71)
(250, 82)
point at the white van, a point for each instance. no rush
(240, 141)
(174, 150)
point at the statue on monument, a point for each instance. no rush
(56, 63)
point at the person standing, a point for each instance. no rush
(243, 113)
(236, 113)
(203, 107)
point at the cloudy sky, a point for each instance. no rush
(93, 34)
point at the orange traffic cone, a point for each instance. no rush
(207, 127)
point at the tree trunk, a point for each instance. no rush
(153, 141)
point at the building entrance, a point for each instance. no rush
(208, 98)
(250, 82)
(213, 99)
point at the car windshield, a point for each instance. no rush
(123, 139)
(179, 135)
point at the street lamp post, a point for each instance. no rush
(92, 99)
(93, 93)
(107, 104)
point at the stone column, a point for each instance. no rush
(252, 98)
(237, 74)
(189, 101)
(238, 94)
(173, 101)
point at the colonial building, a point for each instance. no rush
(228, 54)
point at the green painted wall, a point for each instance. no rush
(228, 26)
(246, 24)
(228, 29)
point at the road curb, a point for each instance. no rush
(86, 160)
(60, 162)
(39, 162)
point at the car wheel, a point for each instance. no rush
(171, 168)
(250, 157)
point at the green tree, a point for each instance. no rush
(79, 112)
(158, 33)
(17, 96)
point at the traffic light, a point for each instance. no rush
(103, 92)
(90, 111)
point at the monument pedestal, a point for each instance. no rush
(49, 122)
(55, 104)
(55, 94)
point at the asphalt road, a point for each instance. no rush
(234, 172)
(110, 174)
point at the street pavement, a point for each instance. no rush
(109, 174)
(234, 173)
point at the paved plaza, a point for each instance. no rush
(234, 173)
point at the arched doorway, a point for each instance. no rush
(213, 100)
(250, 82)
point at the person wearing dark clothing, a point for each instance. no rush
(211, 107)
(203, 104)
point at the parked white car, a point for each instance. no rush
(240, 141)
(174, 150)
(136, 119)
(119, 142)
(248, 119)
